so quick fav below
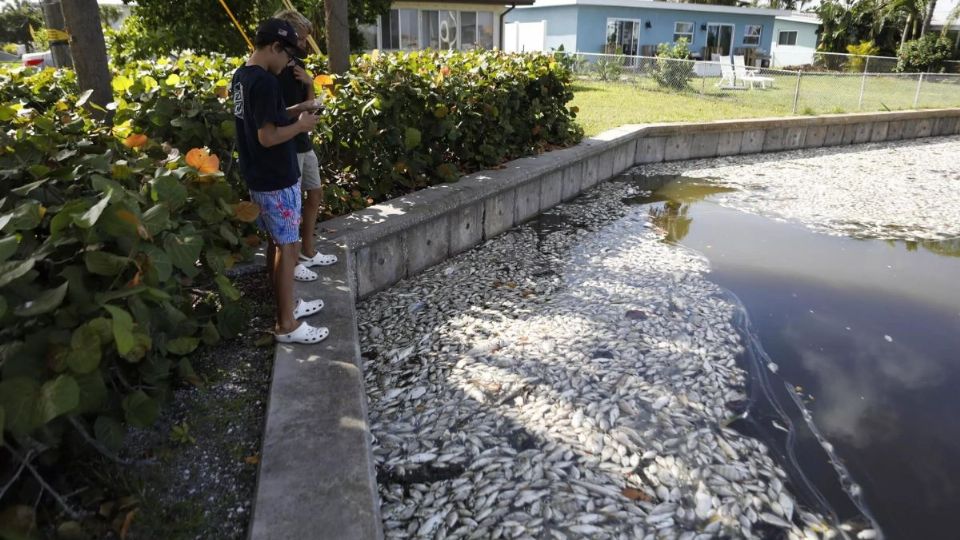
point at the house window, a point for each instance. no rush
(412, 29)
(369, 34)
(751, 34)
(401, 31)
(683, 30)
(623, 36)
(476, 30)
(787, 37)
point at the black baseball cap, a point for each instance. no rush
(282, 31)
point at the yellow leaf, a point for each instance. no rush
(173, 79)
(43, 211)
(246, 211)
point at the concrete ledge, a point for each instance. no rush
(316, 477)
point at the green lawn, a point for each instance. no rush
(605, 105)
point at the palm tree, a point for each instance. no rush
(906, 11)
(928, 16)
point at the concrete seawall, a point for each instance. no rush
(316, 477)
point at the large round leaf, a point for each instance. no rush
(183, 345)
(85, 346)
(57, 397)
(109, 432)
(140, 410)
(8, 246)
(93, 392)
(47, 301)
(184, 250)
(104, 264)
(11, 270)
(122, 329)
(19, 397)
(90, 217)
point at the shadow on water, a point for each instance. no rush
(851, 353)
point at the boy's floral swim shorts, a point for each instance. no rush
(280, 213)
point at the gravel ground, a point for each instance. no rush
(575, 376)
(200, 485)
(895, 190)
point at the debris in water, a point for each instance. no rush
(888, 338)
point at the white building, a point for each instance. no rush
(410, 26)
(794, 39)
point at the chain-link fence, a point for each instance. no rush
(855, 63)
(778, 91)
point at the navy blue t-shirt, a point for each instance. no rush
(256, 101)
(295, 92)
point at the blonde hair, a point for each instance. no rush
(300, 23)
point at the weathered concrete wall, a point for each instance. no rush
(404, 236)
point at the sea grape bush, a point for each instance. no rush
(115, 239)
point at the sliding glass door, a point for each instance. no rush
(623, 37)
(719, 39)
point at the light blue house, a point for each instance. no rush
(636, 27)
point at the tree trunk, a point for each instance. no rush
(927, 17)
(88, 49)
(338, 35)
(53, 19)
(906, 30)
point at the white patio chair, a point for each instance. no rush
(728, 78)
(748, 76)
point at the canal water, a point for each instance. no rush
(854, 350)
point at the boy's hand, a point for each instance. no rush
(302, 75)
(307, 121)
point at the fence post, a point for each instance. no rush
(796, 93)
(916, 97)
(863, 84)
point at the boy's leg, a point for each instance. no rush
(271, 258)
(310, 181)
(287, 255)
(280, 217)
(311, 209)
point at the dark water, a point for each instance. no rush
(870, 332)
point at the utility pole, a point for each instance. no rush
(338, 35)
(88, 49)
(59, 44)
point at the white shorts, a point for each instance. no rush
(309, 170)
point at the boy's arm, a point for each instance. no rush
(273, 126)
(306, 78)
(269, 134)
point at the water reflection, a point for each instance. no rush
(870, 333)
(676, 194)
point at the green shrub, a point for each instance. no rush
(609, 69)
(114, 240)
(112, 256)
(671, 70)
(857, 63)
(397, 122)
(403, 121)
(926, 54)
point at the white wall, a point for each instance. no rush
(525, 36)
(794, 55)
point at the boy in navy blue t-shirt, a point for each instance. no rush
(268, 164)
